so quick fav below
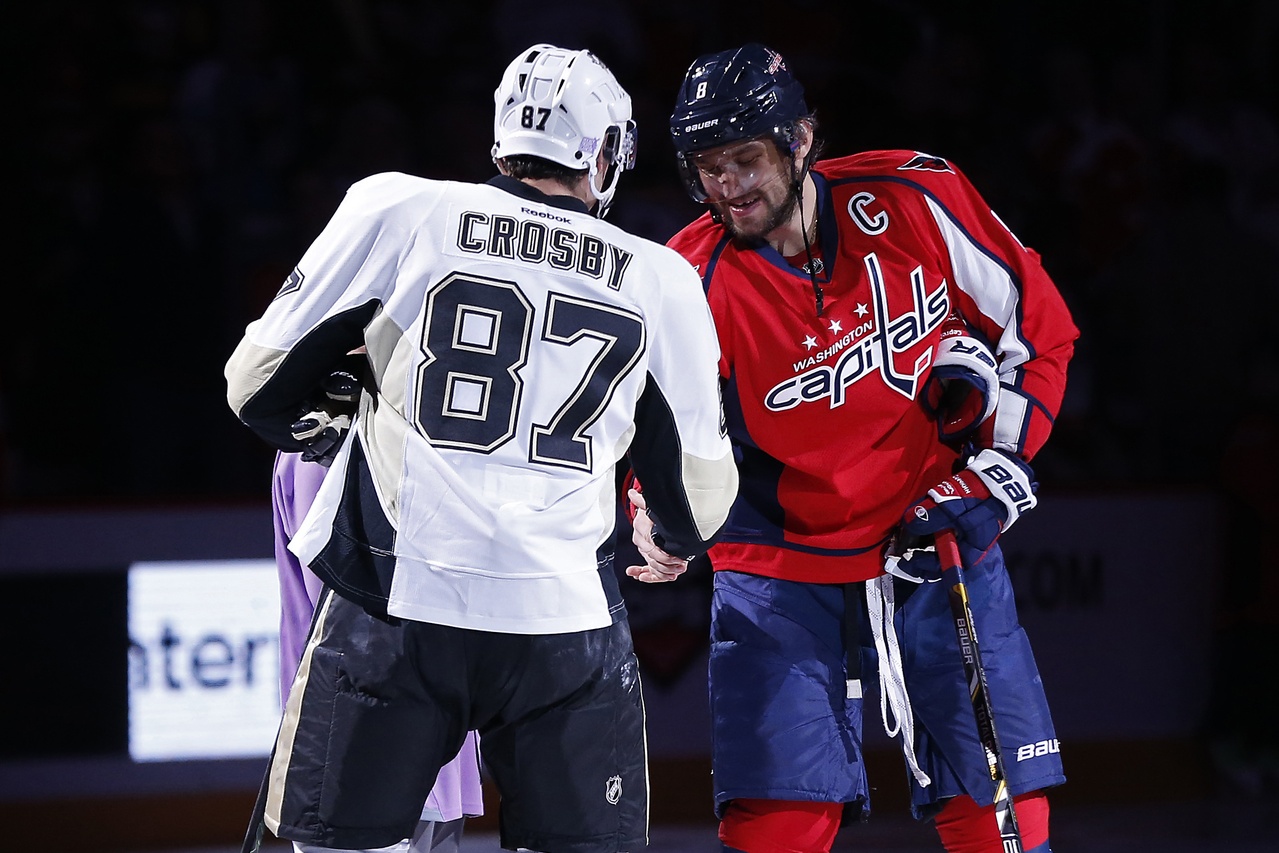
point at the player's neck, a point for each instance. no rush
(788, 239)
(579, 190)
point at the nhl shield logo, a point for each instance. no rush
(613, 790)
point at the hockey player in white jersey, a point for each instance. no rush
(518, 346)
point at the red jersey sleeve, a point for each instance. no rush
(1002, 290)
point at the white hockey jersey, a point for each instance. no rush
(518, 348)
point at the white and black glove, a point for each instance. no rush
(324, 424)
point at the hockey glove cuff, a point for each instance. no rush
(962, 388)
(342, 391)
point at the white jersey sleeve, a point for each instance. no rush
(684, 491)
(518, 347)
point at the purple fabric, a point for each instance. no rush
(293, 487)
(458, 792)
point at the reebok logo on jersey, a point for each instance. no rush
(543, 214)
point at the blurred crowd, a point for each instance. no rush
(175, 159)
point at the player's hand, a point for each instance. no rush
(978, 504)
(324, 426)
(912, 558)
(962, 389)
(659, 566)
(322, 434)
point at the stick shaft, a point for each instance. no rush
(952, 565)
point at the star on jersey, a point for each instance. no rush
(861, 309)
(885, 344)
(810, 342)
(836, 327)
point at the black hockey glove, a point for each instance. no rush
(324, 424)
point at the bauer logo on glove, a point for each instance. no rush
(978, 504)
(962, 389)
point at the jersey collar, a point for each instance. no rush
(524, 191)
(828, 237)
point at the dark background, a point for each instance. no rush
(175, 158)
(170, 161)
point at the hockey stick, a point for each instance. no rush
(952, 566)
(257, 819)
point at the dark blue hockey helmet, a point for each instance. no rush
(743, 93)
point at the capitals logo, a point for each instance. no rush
(926, 163)
(855, 356)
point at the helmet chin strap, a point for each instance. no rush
(608, 174)
(819, 297)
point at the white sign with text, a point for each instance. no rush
(204, 659)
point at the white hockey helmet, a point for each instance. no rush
(564, 106)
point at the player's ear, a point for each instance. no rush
(803, 141)
(601, 169)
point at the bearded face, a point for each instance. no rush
(750, 186)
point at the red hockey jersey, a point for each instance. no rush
(832, 441)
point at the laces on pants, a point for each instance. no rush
(894, 701)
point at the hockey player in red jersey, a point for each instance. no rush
(892, 359)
